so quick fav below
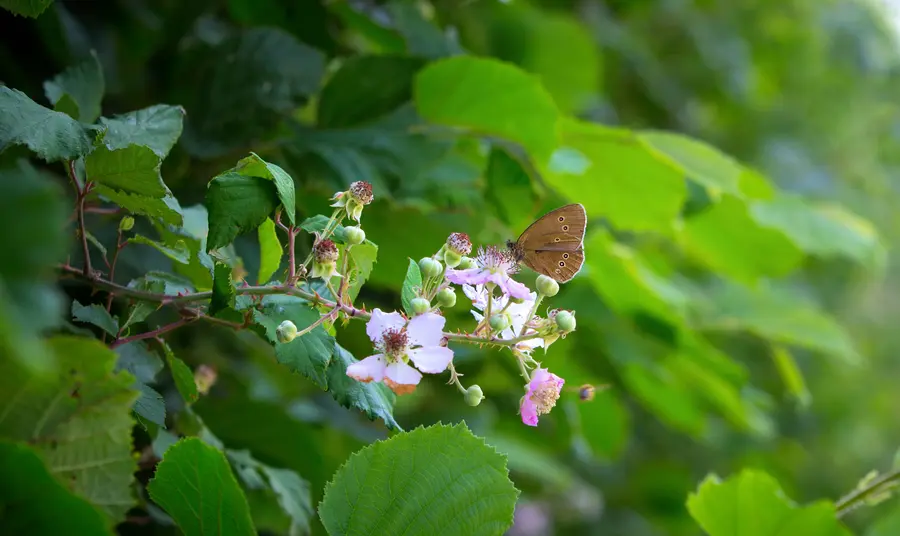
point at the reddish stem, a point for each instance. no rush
(292, 265)
(112, 268)
(152, 334)
(81, 193)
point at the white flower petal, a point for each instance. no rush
(403, 374)
(381, 322)
(431, 359)
(426, 330)
(369, 369)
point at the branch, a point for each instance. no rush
(153, 334)
(855, 498)
(81, 193)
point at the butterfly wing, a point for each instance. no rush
(559, 230)
(560, 265)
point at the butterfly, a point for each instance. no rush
(553, 245)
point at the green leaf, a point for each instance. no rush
(411, 285)
(79, 421)
(83, 83)
(52, 136)
(363, 260)
(270, 251)
(753, 504)
(139, 361)
(194, 484)
(489, 97)
(96, 315)
(308, 354)
(180, 253)
(726, 238)
(509, 189)
(254, 166)
(223, 294)
(440, 476)
(422, 36)
(166, 208)
(667, 397)
(365, 88)
(700, 162)
(791, 375)
(134, 170)
(237, 205)
(614, 175)
(317, 224)
(157, 127)
(29, 492)
(182, 375)
(150, 406)
(291, 491)
(374, 399)
(26, 8)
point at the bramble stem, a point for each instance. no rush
(81, 193)
(852, 500)
(454, 378)
(155, 333)
(534, 308)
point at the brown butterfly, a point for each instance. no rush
(553, 245)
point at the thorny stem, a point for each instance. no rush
(523, 370)
(855, 498)
(454, 378)
(534, 308)
(154, 333)
(81, 193)
(112, 267)
(487, 308)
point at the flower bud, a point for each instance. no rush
(355, 235)
(354, 199)
(474, 395)
(459, 243)
(361, 191)
(547, 286)
(325, 256)
(286, 331)
(420, 305)
(565, 320)
(465, 263)
(204, 378)
(446, 297)
(451, 258)
(500, 322)
(430, 267)
(126, 224)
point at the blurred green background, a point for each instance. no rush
(697, 342)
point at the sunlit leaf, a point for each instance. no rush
(363, 258)
(270, 251)
(698, 161)
(411, 285)
(791, 374)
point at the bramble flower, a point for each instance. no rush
(459, 243)
(492, 265)
(517, 312)
(399, 342)
(325, 256)
(354, 199)
(542, 394)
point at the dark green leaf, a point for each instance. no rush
(753, 503)
(270, 251)
(157, 127)
(308, 354)
(179, 253)
(139, 361)
(291, 491)
(82, 83)
(316, 224)
(374, 399)
(489, 97)
(182, 375)
(194, 484)
(363, 260)
(423, 37)
(51, 135)
(254, 166)
(440, 476)
(365, 88)
(134, 170)
(237, 205)
(96, 315)
(509, 189)
(26, 8)
(30, 491)
(166, 209)
(150, 406)
(411, 285)
(223, 294)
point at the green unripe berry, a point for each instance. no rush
(430, 267)
(465, 263)
(446, 297)
(420, 305)
(126, 224)
(547, 286)
(500, 322)
(474, 395)
(565, 320)
(451, 258)
(355, 235)
(286, 331)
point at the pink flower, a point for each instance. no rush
(543, 392)
(398, 343)
(493, 266)
(518, 314)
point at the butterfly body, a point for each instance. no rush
(554, 244)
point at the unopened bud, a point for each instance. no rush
(465, 263)
(500, 322)
(430, 267)
(126, 224)
(286, 331)
(474, 395)
(446, 297)
(420, 305)
(547, 286)
(565, 320)
(355, 235)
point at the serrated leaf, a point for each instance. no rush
(133, 170)
(96, 315)
(489, 97)
(79, 421)
(374, 399)
(317, 224)
(440, 476)
(237, 205)
(179, 253)
(270, 251)
(52, 136)
(702, 163)
(157, 127)
(194, 484)
(163, 283)
(150, 406)
(411, 284)
(309, 354)
(182, 375)
(223, 294)
(166, 208)
(753, 504)
(26, 8)
(254, 166)
(29, 491)
(82, 83)
(139, 361)
(363, 257)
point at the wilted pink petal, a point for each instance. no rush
(426, 330)
(543, 392)
(516, 289)
(431, 359)
(369, 369)
(381, 322)
(529, 412)
(401, 378)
